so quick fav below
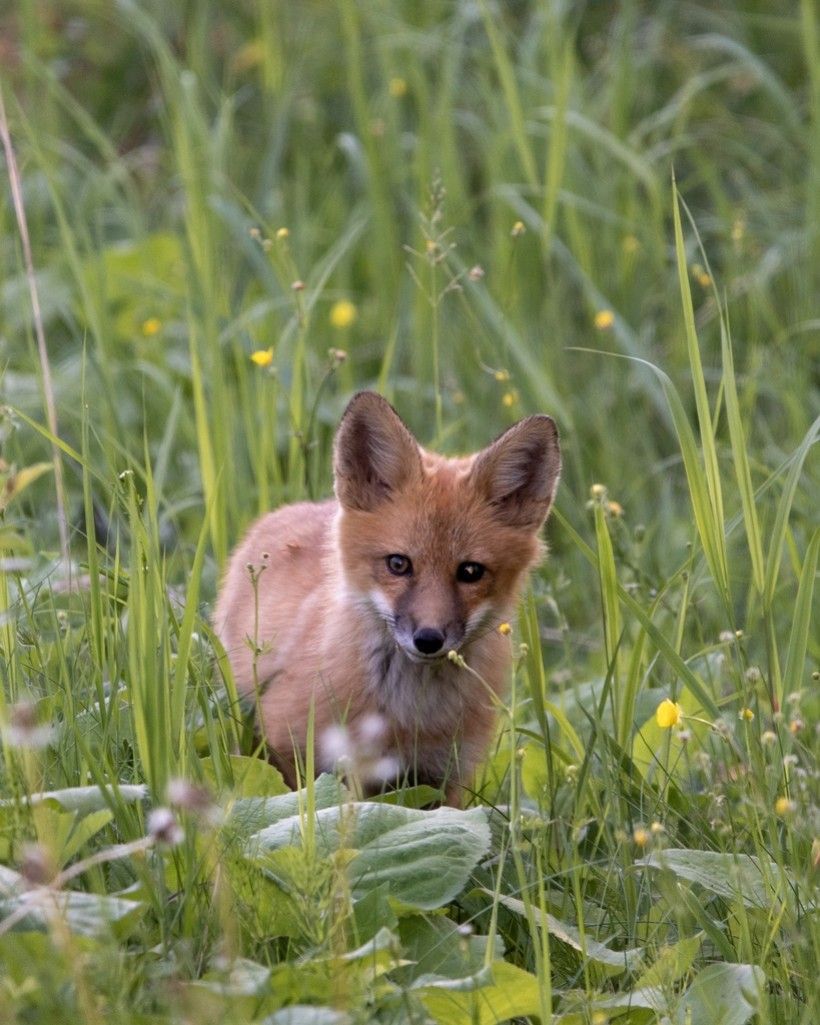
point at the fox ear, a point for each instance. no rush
(374, 455)
(518, 473)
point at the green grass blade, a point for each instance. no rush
(798, 640)
(740, 459)
(781, 523)
(711, 500)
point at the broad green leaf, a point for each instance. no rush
(306, 1014)
(671, 964)
(425, 858)
(374, 912)
(725, 993)
(244, 979)
(248, 815)
(67, 832)
(87, 799)
(510, 993)
(86, 914)
(743, 877)
(600, 953)
(426, 861)
(252, 777)
(440, 950)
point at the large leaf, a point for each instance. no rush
(592, 949)
(424, 858)
(721, 994)
(87, 799)
(252, 777)
(304, 1014)
(510, 993)
(87, 914)
(725, 993)
(439, 950)
(248, 815)
(671, 963)
(740, 877)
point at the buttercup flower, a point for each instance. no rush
(783, 806)
(262, 357)
(342, 314)
(604, 319)
(668, 714)
(151, 327)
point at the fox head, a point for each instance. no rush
(438, 547)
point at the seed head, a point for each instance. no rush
(36, 865)
(23, 728)
(164, 829)
(641, 836)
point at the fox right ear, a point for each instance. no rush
(374, 455)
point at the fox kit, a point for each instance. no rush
(353, 606)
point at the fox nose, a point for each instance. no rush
(428, 640)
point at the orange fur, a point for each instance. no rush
(332, 623)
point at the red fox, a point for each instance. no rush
(367, 607)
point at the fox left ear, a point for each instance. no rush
(519, 472)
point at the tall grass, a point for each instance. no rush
(607, 214)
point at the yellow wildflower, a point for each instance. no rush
(262, 357)
(604, 319)
(151, 327)
(518, 229)
(282, 233)
(668, 714)
(504, 629)
(784, 806)
(342, 314)
(746, 714)
(641, 836)
(397, 88)
(509, 398)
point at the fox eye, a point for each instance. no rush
(399, 565)
(469, 572)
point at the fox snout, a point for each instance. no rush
(428, 640)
